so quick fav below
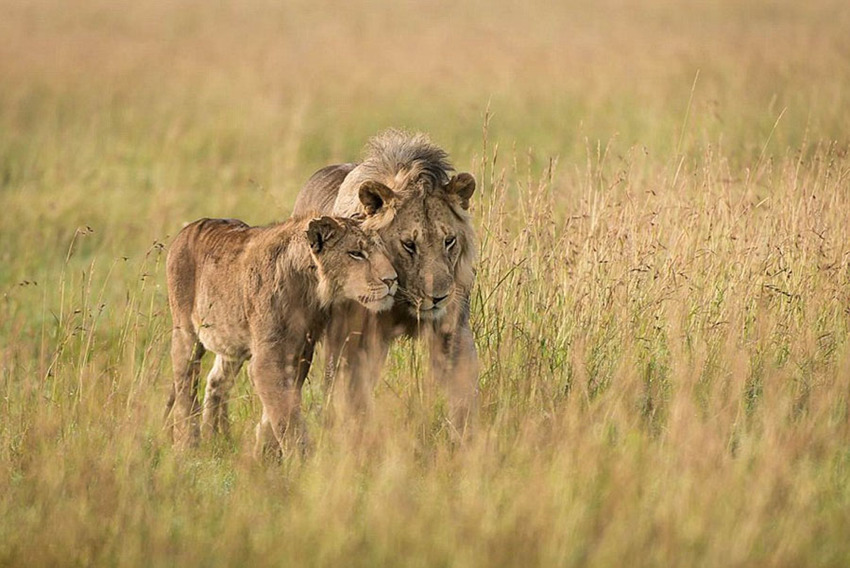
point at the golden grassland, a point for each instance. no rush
(661, 312)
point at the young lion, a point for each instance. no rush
(262, 293)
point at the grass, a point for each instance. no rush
(661, 313)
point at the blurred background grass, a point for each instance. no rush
(662, 307)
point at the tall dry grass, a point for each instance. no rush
(661, 311)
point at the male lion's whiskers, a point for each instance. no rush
(455, 299)
(404, 294)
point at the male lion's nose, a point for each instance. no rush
(438, 299)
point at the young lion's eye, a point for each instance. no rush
(357, 254)
(450, 242)
(409, 246)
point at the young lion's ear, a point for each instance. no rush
(375, 196)
(320, 231)
(462, 185)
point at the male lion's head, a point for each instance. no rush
(351, 263)
(427, 231)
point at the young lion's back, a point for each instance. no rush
(203, 274)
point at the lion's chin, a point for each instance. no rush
(430, 314)
(381, 305)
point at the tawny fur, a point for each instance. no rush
(263, 293)
(423, 206)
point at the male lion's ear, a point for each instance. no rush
(320, 231)
(462, 185)
(374, 196)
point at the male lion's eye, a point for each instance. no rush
(450, 242)
(357, 255)
(409, 246)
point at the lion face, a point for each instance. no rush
(430, 241)
(352, 264)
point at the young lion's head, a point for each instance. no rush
(351, 263)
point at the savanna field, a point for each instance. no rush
(662, 307)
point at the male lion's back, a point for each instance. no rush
(320, 191)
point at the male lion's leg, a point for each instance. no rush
(356, 351)
(219, 382)
(454, 364)
(274, 372)
(465, 376)
(343, 328)
(186, 354)
(365, 366)
(353, 366)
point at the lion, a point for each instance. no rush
(264, 294)
(422, 215)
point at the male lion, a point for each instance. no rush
(421, 214)
(263, 293)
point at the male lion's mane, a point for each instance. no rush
(406, 163)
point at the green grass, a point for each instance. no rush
(662, 310)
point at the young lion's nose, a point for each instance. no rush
(438, 299)
(389, 281)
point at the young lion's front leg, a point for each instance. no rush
(275, 372)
